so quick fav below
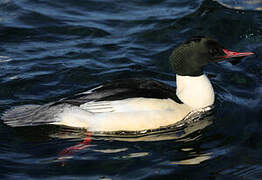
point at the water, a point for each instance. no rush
(53, 49)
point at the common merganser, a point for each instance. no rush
(135, 105)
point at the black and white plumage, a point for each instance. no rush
(133, 104)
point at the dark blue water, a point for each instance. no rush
(53, 49)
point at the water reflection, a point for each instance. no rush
(87, 141)
(193, 160)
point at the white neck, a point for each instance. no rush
(196, 92)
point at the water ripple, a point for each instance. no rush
(52, 49)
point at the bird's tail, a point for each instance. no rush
(31, 115)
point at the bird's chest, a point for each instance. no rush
(196, 92)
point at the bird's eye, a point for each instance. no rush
(214, 52)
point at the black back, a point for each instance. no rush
(122, 89)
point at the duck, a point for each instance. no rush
(132, 105)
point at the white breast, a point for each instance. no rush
(196, 92)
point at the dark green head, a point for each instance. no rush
(189, 58)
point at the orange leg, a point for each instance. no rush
(74, 149)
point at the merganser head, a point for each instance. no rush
(189, 57)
